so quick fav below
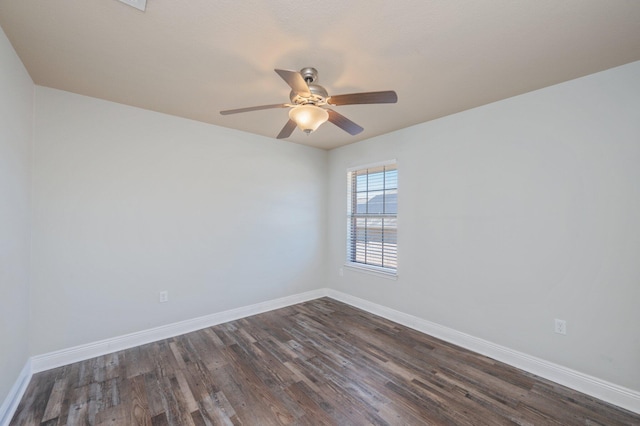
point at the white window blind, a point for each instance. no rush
(372, 217)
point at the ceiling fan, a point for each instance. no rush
(309, 103)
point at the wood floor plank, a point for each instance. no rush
(316, 363)
(201, 381)
(160, 420)
(174, 402)
(243, 365)
(154, 394)
(79, 408)
(116, 415)
(54, 404)
(35, 399)
(135, 400)
(216, 409)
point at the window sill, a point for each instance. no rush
(372, 270)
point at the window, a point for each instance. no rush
(372, 217)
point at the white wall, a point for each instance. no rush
(16, 124)
(129, 202)
(516, 213)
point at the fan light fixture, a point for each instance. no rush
(308, 117)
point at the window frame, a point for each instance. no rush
(385, 272)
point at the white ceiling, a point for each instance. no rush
(193, 58)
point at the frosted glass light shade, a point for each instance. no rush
(308, 117)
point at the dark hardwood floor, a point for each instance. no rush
(320, 362)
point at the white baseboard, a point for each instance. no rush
(12, 400)
(601, 389)
(82, 352)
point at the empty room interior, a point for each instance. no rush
(298, 212)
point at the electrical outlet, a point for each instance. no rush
(164, 296)
(560, 326)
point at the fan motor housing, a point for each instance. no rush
(318, 96)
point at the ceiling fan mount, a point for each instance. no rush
(309, 103)
(309, 74)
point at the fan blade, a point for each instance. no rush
(255, 108)
(385, 97)
(344, 123)
(287, 130)
(295, 81)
